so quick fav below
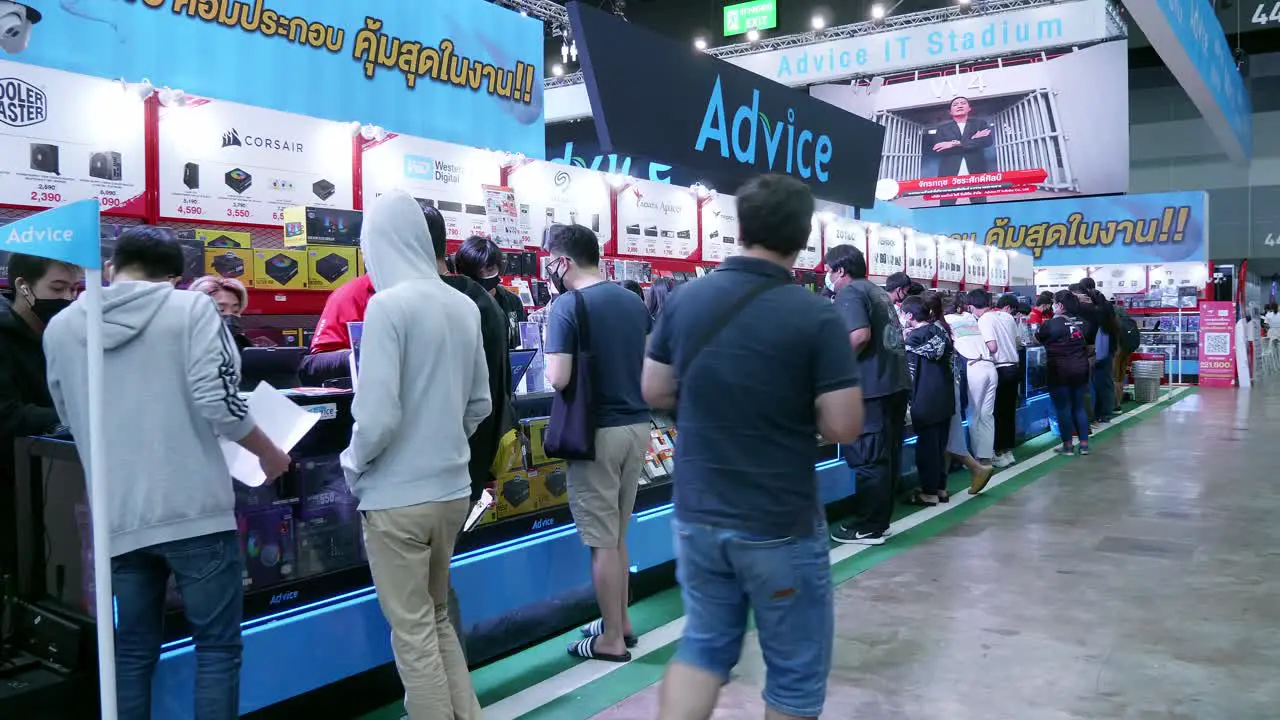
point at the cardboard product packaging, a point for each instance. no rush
(533, 432)
(331, 267)
(306, 226)
(230, 263)
(280, 269)
(329, 538)
(224, 239)
(267, 542)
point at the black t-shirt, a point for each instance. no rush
(882, 360)
(511, 306)
(1066, 357)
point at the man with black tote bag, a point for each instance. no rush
(600, 422)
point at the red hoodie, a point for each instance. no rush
(346, 304)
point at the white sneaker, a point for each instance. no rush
(1003, 460)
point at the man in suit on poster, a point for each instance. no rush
(960, 145)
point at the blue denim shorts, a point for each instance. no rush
(785, 583)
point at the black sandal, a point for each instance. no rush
(586, 649)
(944, 497)
(595, 628)
(917, 499)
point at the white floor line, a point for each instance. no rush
(567, 682)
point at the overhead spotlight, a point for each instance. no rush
(819, 22)
(564, 52)
(573, 50)
(753, 35)
(172, 98)
(372, 133)
(877, 12)
(964, 2)
(557, 69)
(355, 127)
(700, 43)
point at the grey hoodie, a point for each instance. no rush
(423, 382)
(172, 375)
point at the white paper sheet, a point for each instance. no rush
(283, 420)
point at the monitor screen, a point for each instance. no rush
(520, 362)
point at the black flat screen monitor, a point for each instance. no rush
(277, 366)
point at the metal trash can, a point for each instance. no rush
(1147, 375)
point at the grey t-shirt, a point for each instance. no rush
(882, 362)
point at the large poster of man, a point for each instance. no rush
(961, 145)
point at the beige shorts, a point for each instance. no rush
(602, 492)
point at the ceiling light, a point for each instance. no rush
(819, 22)
(753, 35)
(700, 43)
(573, 50)
(964, 2)
(557, 69)
(877, 12)
(564, 52)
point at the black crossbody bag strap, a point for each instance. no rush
(722, 320)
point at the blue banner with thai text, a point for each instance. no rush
(462, 71)
(1139, 229)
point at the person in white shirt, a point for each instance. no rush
(1000, 332)
(423, 390)
(975, 366)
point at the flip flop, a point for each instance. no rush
(586, 649)
(917, 498)
(595, 628)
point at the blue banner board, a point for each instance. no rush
(1138, 229)
(67, 234)
(462, 71)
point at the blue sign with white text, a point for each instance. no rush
(462, 71)
(68, 234)
(1139, 229)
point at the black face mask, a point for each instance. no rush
(45, 309)
(490, 283)
(233, 324)
(557, 280)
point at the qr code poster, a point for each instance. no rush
(1217, 344)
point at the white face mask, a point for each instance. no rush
(831, 282)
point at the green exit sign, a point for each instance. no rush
(756, 15)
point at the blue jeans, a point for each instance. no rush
(208, 570)
(785, 582)
(1104, 389)
(1068, 404)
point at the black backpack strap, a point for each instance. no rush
(726, 315)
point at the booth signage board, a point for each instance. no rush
(1217, 343)
(1022, 270)
(504, 217)
(975, 265)
(1191, 43)
(1112, 279)
(844, 231)
(548, 193)
(720, 121)
(810, 258)
(229, 163)
(720, 228)
(950, 259)
(886, 251)
(754, 15)
(387, 62)
(66, 137)
(1053, 279)
(1128, 229)
(449, 177)
(997, 268)
(656, 220)
(922, 256)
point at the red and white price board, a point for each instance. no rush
(844, 231)
(448, 177)
(1112, 279)
(950, 259)
(975, 264)
(658, 220)
(922, 256)
(997, 268)
(229, 163)
(886, 250)
(549, 193)
(66, 137)
(720, 229)
(810, 258)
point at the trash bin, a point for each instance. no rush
(1147, 375)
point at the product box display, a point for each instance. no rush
(331, 267)
(267, 542)
(360, 263)
(555, 480)
(224, 239)
(280, 269)
(524, 491)
(305, 226)
(230, 263)
(532, 433)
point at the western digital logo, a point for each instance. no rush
(21, 103)
(419, 167)
(233, 138)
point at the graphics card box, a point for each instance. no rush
(280, 269)
(224, 239)
(268, 543)
(304, 226)
(229, 263)
(331, 267)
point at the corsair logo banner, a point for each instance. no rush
(21, 103)
(233, 138)
(719, 122)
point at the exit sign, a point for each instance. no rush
(756, 15)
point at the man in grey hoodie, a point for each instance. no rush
(173, 376)
(423, 389)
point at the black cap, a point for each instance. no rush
(897, 281)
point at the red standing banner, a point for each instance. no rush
(1217, 344)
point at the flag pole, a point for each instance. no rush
(98, 498)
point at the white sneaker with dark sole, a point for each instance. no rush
(853, 537)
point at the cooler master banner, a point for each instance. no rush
(386, 62)
(718, 120)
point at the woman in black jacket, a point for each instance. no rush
(932, 393)
(1067, 369)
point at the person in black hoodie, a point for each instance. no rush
(1067, 369)
(932, 393)
(40, 289)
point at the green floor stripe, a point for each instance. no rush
(504, 678)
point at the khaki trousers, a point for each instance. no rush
(409, 552)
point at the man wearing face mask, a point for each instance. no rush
(40, 289)
(482, 260)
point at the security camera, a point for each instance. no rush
(16, 20)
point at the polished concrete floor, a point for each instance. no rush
(1141, 582)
